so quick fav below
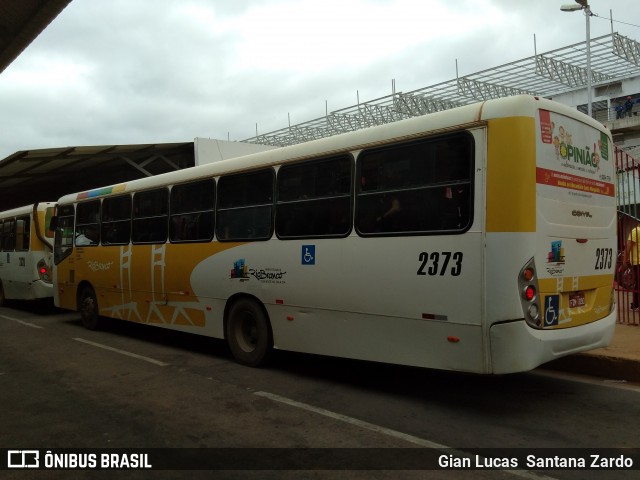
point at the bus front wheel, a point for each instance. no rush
(88, 308)
(248, 333)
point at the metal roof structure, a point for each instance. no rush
(47, 174)
(614, 57)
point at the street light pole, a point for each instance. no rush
(587, 13)
(584, 5)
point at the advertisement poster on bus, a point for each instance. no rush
(575, 162)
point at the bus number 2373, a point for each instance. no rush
(604, 258)
(440, 263)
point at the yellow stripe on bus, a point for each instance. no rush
(597, 295)
(572, 284)
(511, 175)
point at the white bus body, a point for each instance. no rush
(26, 253)
(517, 271)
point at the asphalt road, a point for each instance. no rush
(138, 387)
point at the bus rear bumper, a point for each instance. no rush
(40, 289)
(516, 347)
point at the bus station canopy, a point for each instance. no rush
(21, 21)
(47, 174)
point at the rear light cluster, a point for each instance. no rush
(528, 286)
(44, 272)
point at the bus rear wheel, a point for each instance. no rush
(88, 308)
(248, 333)
(2, 297)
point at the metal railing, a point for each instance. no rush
(627, 276)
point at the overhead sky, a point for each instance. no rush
(155, 71)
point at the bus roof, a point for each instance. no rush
(432, 124)
(26, 209)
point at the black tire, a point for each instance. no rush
(248, 333)
(3, 300)
(88, 308)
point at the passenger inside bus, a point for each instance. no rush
(85, 236)
(389, 213)
(454, 207)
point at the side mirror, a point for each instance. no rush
(54, 223)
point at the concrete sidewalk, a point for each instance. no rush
(619, 361)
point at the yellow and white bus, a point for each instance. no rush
(26, 253)
(479, 239)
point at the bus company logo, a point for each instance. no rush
(240, 270)
(556, 255)
(94, 266)
(555, 259)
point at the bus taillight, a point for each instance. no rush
(529, 293)
(528, 274)
(528, 283)
(44, 271)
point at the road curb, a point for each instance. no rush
(614, 368)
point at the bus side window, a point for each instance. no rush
(192, 211)
(314, 198)
(23, 233)
(245, 206)
(116, 220)
(88, 223)
(8, 235)
(150, 216)
(421, 187)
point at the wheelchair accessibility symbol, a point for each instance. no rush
(551, 310)
(308, 254)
